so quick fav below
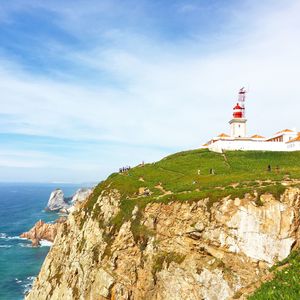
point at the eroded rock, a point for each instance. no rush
(57, 201)
(180, 250)
(43, 231)
(81, 195)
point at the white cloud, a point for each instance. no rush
(163, 95)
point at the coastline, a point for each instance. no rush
(21, 205)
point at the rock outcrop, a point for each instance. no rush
(81, 195)
(43, 231)
(168, 251)
(57, 201)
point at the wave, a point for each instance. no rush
(26, 284)
(23, 245)
(15, 238)
(5, 246)
(45, 243)
(6, 237)
(31, 278)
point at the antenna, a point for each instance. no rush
(241, 99)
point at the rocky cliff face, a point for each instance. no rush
(168, 251)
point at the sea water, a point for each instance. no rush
(21, 206)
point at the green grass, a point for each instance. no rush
(178, 173)
(286, 282)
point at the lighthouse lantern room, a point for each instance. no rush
(238, 122)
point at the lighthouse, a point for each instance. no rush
(238, 122)
(284, 140)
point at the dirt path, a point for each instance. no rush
(161, 188)
(226, 160)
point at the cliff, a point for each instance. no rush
(170, 244)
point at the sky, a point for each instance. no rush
(91, 86)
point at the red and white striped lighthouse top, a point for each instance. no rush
(238, 111)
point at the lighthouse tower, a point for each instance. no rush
(238, 122)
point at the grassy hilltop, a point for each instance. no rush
(185, 176)
(176, 177)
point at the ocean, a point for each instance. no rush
(21, 206)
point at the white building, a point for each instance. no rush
(284, 140)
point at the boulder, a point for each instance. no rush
(56, 201)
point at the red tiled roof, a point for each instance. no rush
(297, 139)
(256, 136)
(284, 130)
(223, 135)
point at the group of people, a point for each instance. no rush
(124, 169)
(211, 171)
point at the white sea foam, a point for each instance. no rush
(28, 284)
(15, 238)
(45, 243)
(31, 278)
(5, 246)
(6, 237)
(23, 245)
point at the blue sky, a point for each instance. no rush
(89, 86)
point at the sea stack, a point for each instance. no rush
(57, 201)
